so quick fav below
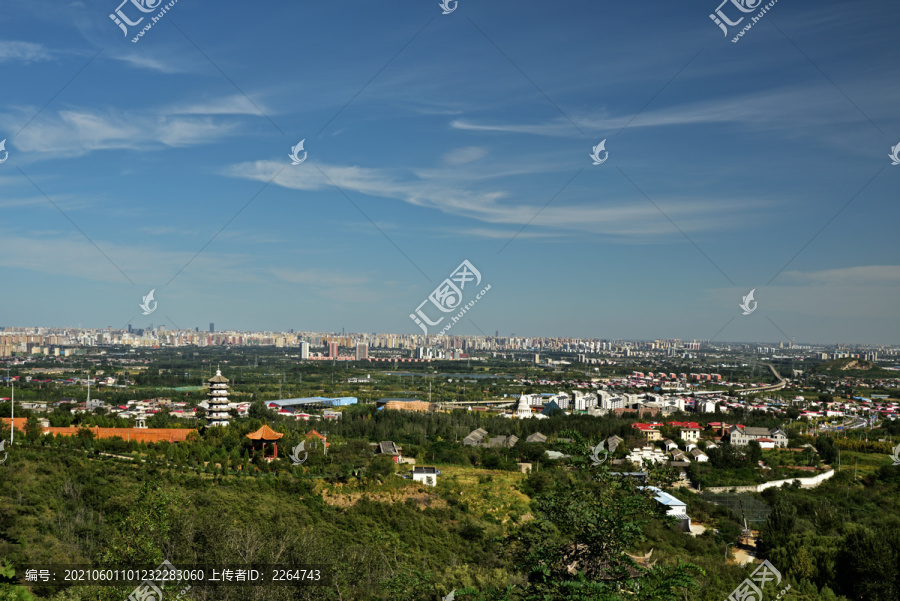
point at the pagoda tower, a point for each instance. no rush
(217, 414)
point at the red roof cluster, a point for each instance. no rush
(688, 425)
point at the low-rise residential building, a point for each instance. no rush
(648, 431)
(389, 449)
(690, 434)
(613, 442)
(475, 437)
(742, 435)
(678, 455)
(426, 475)
(638, 455)
(699, 455)
(505, 442)
(674, 507)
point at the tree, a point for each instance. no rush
(258, 410)
(161, 419)
(33, 429)
(867, 565)
(575, 549)
(381, 467)
(780, 523)
(145, 530)
(754, 452)
(827, 451)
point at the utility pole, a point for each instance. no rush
(12, 430)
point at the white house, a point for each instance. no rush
(674, 507)
(690, 434)
(426, 475)
(637, 456)
(741, 436)
(699, 455)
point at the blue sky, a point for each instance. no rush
(435, 138)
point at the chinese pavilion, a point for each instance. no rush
(263, 436)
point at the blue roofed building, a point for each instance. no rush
(314, 401)
(674, 507)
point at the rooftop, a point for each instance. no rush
(664, 497)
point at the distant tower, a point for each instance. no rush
(333, 349)
(217, 414)
(362, 351)
(212, 328)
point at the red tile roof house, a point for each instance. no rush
(648, 431)
(314, 434)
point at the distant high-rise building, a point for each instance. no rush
(333, 349)
(304, 350)
(362, 351)
(212, 327)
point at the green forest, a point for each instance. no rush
(567, 530)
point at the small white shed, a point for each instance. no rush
(426, 475)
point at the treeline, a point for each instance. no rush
(843, 538)
(64, 508)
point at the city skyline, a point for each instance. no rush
(30, 341)
(172, 164)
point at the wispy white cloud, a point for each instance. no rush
(153, 63)
(461, 156)
(27, 52)
(768, 108)
(78, 132)
(236, 104)
(865, 293)
(621, 218)
(498, 234)
(558, 127)
(862, 275)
